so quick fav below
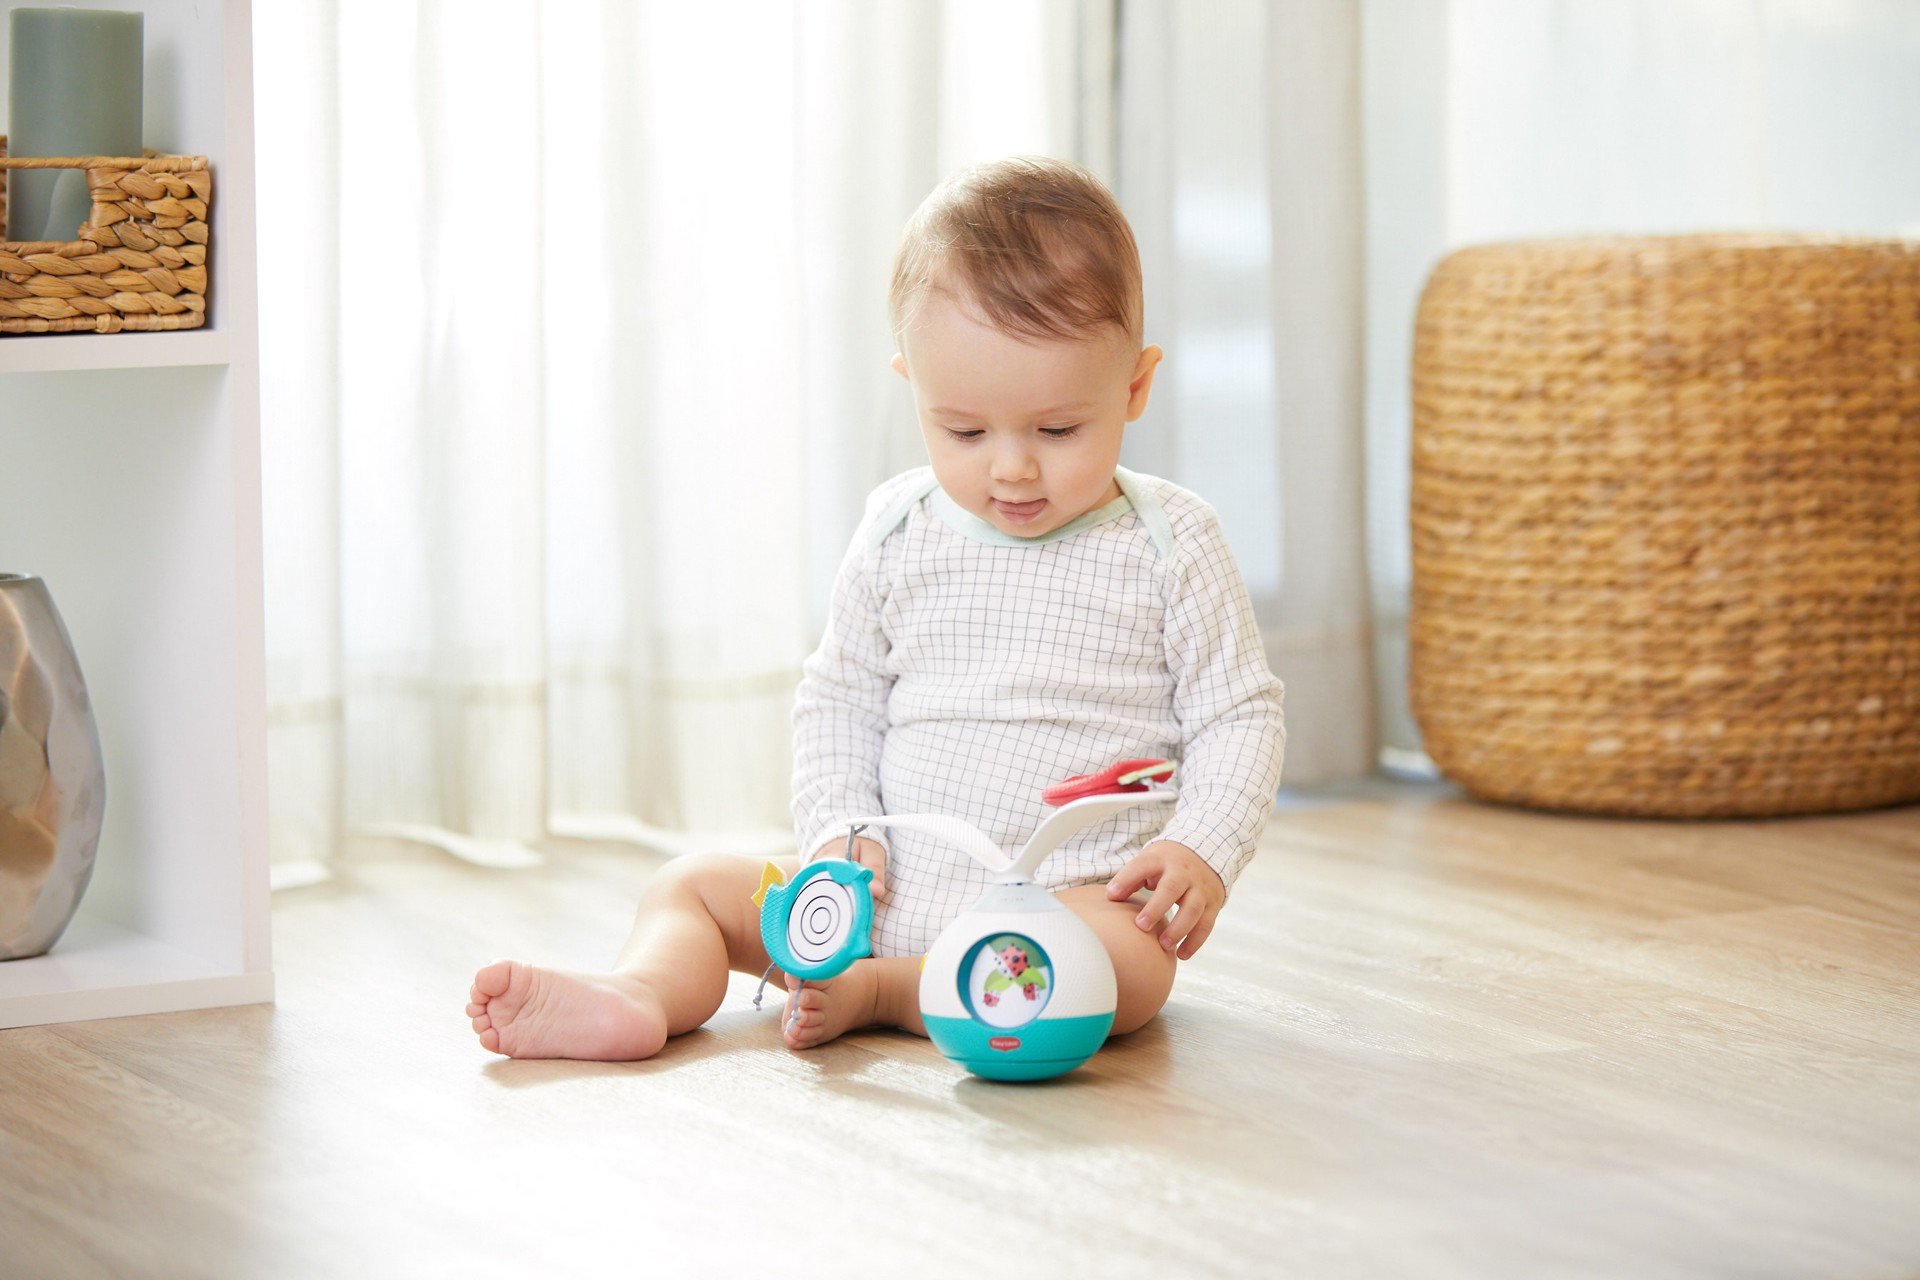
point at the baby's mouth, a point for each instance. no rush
(1019, 512)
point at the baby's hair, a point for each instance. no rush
(1038, 245)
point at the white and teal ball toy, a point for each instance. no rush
(1018, 987)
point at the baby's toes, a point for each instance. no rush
(806, 1019)
(492, 980)
(484, 1028)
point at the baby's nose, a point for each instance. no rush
(1013, 462)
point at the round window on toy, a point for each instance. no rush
(1005, 980)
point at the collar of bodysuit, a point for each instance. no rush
(962, 521)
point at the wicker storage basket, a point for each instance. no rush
(139, 263)
(1666, 524)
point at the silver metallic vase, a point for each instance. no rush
(53, 790)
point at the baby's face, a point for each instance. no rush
(1023, 433)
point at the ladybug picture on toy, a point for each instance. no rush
(1013, 967)
(1007, 980)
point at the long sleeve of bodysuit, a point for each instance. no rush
(1226, 697)
(840, 711)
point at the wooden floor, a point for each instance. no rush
(1429, 1038)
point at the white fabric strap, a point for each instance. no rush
(955, 831)
(1051, 834)
(1070, 818)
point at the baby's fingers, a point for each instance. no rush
(1192, 916)
(1196, 938)
(1191, 924)
(1160, 903)
(1141, 873)
(868, 854)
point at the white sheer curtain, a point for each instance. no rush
(574, 377)
(1501, 119)
(1239, 158)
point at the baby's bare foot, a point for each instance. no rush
(525, 1012)
(820, 1011)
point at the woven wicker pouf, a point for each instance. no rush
(1666, 524)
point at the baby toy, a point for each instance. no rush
(1016, 988)
(817, 925)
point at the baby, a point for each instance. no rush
(1023, 610)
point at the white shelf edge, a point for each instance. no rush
(97, 971)
(70, 352)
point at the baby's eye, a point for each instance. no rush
(1059, 433)
(965, 435)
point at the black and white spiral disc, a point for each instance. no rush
(821, 920)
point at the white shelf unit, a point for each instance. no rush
(73, 353)
(130, 482)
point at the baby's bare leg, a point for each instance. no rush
(695, 920)
(1142, 968)
(887, 992)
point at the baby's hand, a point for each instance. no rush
(865, 852)
(1176, 874)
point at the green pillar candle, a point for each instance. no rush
(74, 90)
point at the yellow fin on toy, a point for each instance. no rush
(770, 875)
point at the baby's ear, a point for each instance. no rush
(1140, 386)
(899, 363)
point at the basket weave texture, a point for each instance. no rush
(1666, 524)
(140, 262)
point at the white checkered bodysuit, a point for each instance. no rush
(964, 670)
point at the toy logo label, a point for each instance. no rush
(1004, 1043)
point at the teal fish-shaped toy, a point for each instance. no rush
(819, 923)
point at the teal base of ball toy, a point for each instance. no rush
(1038, 1051)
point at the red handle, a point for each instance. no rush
(1106, 782)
